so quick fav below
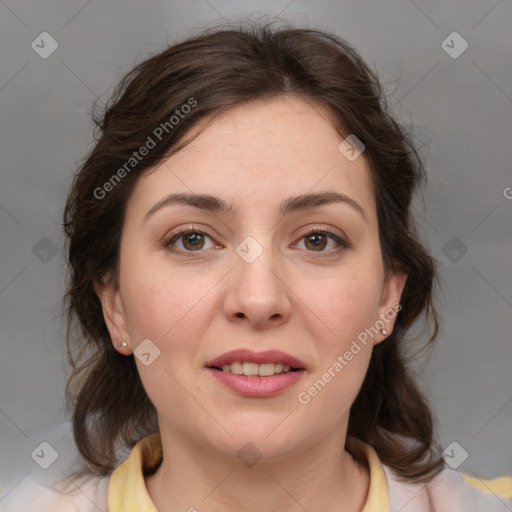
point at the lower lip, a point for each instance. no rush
(255, 386)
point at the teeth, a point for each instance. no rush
(250, 368)
(266, 369)
(235, 368)
(253, 369)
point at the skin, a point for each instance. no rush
(197, 308)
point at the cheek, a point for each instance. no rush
(343, 346)
(159, 305)
(344, 307)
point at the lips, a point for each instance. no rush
(248, 356)
(264, 374)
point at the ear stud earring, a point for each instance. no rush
(124, 344)
(384, 332)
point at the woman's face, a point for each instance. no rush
(284, 270)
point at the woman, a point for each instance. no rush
(244, 270)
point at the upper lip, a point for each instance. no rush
(249, 356)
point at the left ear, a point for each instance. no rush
(390, 301)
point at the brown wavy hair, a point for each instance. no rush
(218, 69)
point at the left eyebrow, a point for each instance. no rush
(309, 201)
(215, 204)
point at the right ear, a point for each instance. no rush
(114, 315)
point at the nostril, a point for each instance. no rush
(240, 315)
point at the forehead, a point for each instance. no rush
(259, 153)
(274, 129)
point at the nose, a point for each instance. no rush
(258, 293)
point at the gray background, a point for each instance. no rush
(461, 107)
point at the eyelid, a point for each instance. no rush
(175, 234)
(340, 239)
(186, 229)
(325, 229)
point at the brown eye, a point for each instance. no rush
(317, 241)
(191, 240)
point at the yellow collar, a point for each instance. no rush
(378, 497)
(127, 489)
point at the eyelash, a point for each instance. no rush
(174, 237)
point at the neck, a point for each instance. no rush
(323, 477)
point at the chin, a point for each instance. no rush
(260, 435)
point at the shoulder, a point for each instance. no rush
(31, 496)
(450, 490)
